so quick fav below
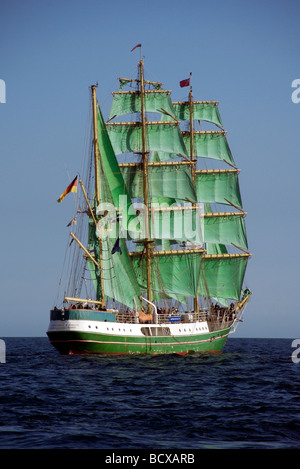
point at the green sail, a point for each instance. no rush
(178, 275)
(218, 187)
(212, 248)
(222, 277)
(93, 245)
(118, 276)
(180, 224)
(161, 136)
(173, 182)
(110, 167)
(225, 229)
(202, 110)
(126, 102)
(173, 276)
(119, 279)
(186, 224)
(210, 145)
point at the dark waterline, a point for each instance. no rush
(247, 397)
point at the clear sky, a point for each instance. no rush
(244, 54)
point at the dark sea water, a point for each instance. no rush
(246, 398)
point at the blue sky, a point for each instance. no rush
(244, 54)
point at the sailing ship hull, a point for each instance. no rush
(90, 336)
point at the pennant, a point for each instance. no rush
(72, 222)
(116, 247)
(138, 45)
(184, 82)
(71, 188)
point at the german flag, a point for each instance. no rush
(71, 188)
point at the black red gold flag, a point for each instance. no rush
(71, 188)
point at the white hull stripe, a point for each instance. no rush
(144, 343)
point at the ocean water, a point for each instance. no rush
(246, 398)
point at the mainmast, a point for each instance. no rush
(97, 185)
(147, 242)
(193, 166)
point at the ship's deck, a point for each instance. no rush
(215, 321)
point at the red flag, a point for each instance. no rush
(138, 45)
(71, 188)
(184, 82)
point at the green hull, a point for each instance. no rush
(71, 342)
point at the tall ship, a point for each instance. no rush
(157, 248)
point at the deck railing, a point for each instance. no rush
(129, 317)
